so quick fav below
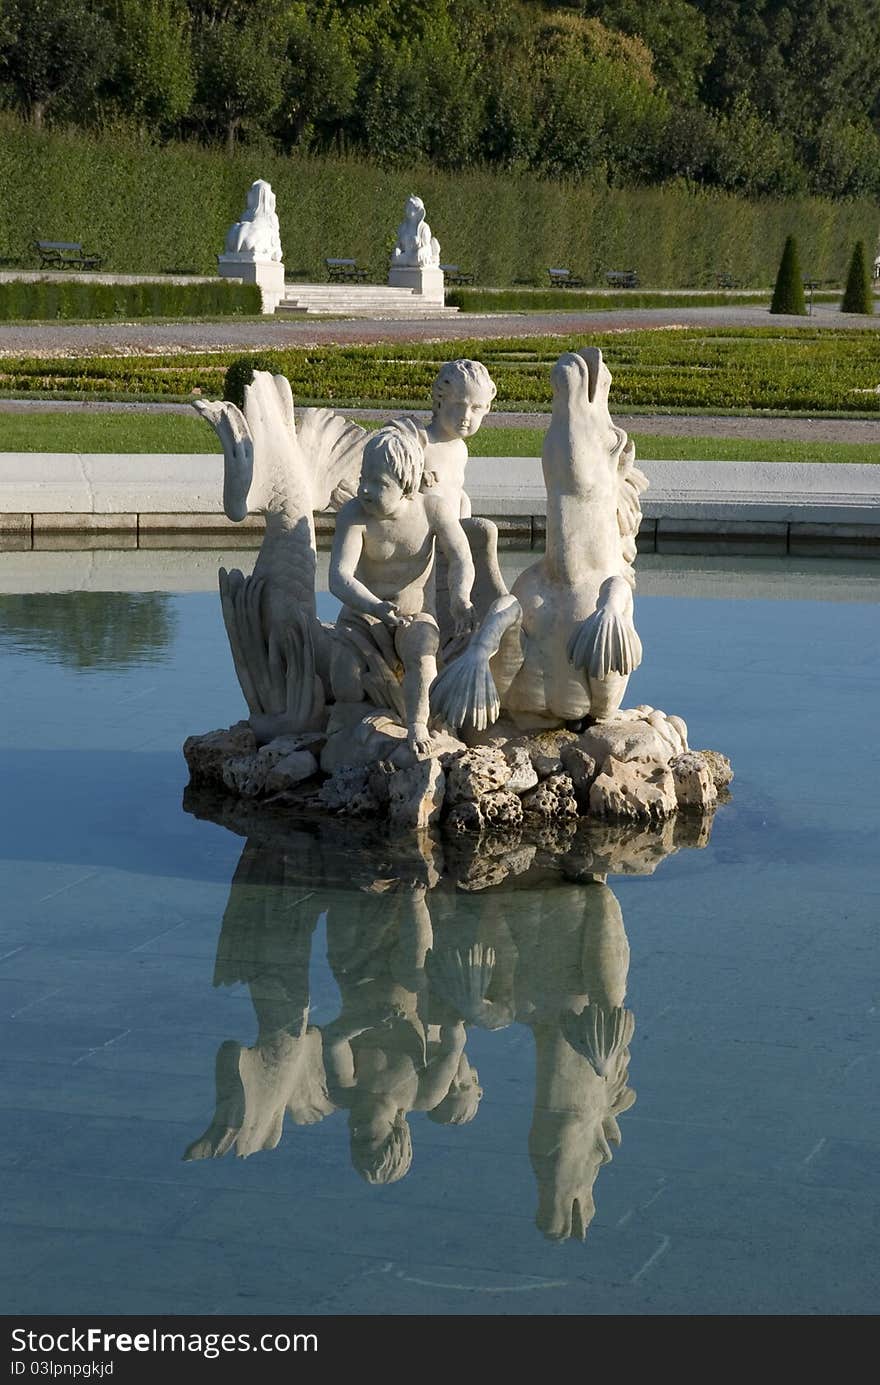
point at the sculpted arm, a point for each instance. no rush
(348, 545)
(453, 541)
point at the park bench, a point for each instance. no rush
(622, 279)
(564, 279)
(345, 271)
(456, 275)
(725, 280)
(65, 254)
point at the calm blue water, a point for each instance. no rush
(170, 986)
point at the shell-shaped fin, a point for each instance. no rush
(606, 642)
(334, 448)
(462, 979)
(599, 1035)
(464, 692)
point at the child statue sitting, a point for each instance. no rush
(462, 395)
(380, 567)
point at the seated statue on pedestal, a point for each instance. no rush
(416, 247)
(257, 234)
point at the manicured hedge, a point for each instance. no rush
(50, 298)
(147, 208)
(801, 369)
(559, 300)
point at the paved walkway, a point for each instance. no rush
(704, 507)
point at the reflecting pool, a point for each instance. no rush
(260, 1067)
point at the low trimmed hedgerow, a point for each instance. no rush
(49, 299)
(784, 369)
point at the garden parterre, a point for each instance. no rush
(779, 369)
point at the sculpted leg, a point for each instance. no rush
(417, 644)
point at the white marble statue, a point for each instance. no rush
(468, 694)
(257, 233)
(382, 559)
(581, 644)
(416, 247)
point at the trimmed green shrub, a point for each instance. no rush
(858, 296)
(240, 373)
(788, 295)
(815, 369)
(47, 299)
(147, 208)
(558, 300)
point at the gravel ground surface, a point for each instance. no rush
(138, 338)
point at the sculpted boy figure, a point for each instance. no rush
(380, 566)
(462, 396)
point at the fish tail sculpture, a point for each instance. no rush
(579, 640)
(285, 469)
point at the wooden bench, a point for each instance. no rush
(345, 271)
(65, 254)
(725, 280)
(564, 279)
(622, 279)
(456, 275)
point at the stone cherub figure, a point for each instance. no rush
(462, 395)
(257, 233)
(382, 558)
(416, 247)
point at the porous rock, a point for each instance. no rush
(554, 798)
(652, 737)
(206, 755)
(631, 789)
(523, 775)
(581, 769)
(694, 785)
(347, 791)
(501, 810)
(544, 749)
(464, 816)
(471, 774)
(719, 766)
(415, 796)
(248, 775)
(293, 769)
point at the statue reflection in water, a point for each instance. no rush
(427, 942)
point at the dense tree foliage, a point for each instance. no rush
(759, 97)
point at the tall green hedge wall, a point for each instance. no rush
(147, 208)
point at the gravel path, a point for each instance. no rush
(140, 338)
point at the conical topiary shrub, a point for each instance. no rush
(788, 295)
(858, 297)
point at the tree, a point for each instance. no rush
(320, 81)
(788, 295)
(153, 80)
(675, 32)
(53, 51)
(858, 296)
(241, 72)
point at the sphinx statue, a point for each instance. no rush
(478, 704)
(257, 233)
(416, 247)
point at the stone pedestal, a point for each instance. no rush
(267, 274)
(427, 283)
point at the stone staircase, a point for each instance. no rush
(357, 300)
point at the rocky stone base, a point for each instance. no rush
(636, 768)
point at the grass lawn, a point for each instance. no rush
(149, 432)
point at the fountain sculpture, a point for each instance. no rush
(439, 697)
